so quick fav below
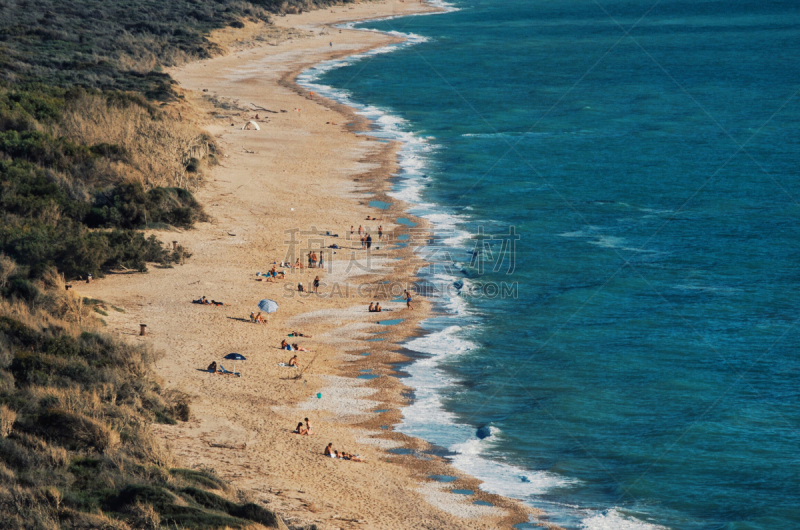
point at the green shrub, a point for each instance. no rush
(75, 431)
(256, 513)
(201, 478)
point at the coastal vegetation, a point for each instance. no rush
(94, 150)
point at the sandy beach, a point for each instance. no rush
(279, 192)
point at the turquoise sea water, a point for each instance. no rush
(647, 155)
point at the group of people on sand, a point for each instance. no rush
(205, 301)
(375, 307)
(313, 287)
(313, 262)
(303, 430)
(366, 242)
(273, 274)
(333, 453)
(292, 347)
(365, 236)
(257, 318)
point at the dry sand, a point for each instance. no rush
(306, 170)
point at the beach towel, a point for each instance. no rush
(226, 372)
(286, 365)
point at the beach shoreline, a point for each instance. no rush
(305, 170)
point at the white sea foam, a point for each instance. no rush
(614, 520)
(426, 417)
(501, 478)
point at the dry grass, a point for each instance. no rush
(7, 419)
(158, 147)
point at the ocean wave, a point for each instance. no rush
(613, 519)
(501, 478)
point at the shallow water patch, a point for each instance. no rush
(381, 205)
(442, 478)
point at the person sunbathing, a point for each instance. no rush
(259, 319)
(308, 426)
(296, 334)
(328, 450)
(372, 307)
(293, 362)
(298, 348)
(378, 307)
(252, 317)
(300, 429)
(297, 264)
(300, 287)
(285, 345)
(212, 367)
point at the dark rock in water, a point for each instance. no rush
(523, 478)
(458, 285)
(483, 432)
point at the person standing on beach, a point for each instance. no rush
(321, 259)
(315, 288)
(309, 260)
(369, 241)
(408, 300)
(314, 260)
(360, 229)
(380, 231)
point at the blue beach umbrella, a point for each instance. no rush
(268, 306)
(235, 357)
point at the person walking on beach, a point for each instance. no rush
(408, 300)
